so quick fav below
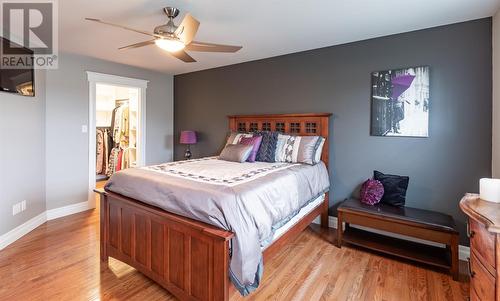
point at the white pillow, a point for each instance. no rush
(299, 149)
(317, 156)
(280, 148)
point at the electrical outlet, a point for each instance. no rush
(16, 208)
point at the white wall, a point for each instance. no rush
(22, 154)
(44, 154)
(67, 110)
(496, 97)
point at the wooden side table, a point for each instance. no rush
(483, 230)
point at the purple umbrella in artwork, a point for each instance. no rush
(400, 84)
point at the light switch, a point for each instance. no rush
(85, 128)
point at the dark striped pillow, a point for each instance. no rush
(267, 150)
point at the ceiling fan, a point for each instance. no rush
(175, 39)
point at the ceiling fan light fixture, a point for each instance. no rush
(170, 45)
(174, 39)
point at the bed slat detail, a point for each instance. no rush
(176, 252)
(157, 247)
(141, 244)
(114, 222)
(200, 251)
(126, 230)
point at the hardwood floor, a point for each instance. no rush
(60, 261)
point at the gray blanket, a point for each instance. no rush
(245, 198)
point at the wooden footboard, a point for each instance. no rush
(188, 258)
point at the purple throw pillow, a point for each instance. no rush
(371, 192)
(255, 141)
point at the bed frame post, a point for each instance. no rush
(324, 213)
(103, 225)
(325, 157)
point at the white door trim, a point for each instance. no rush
(95, 78)
(116, 80)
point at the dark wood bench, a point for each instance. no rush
(417, 223)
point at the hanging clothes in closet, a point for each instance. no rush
(121, 154)
(102, 150)
(99, 140)
(113, 161)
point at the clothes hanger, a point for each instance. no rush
(120, 102)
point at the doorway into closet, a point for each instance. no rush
(116, 127)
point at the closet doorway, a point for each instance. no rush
(116, 126)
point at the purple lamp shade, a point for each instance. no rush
(188, 137)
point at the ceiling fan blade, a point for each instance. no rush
(124, 27)
(210, 47)
(183, 56)
(187, 29)
(137, 45)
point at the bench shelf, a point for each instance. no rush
(422, 253)
(410, 222)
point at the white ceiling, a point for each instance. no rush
(264, 28)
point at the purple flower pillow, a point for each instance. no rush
(371, 192)
(255, 141)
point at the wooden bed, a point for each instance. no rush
(187, 257)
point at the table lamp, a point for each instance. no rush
(188, 138)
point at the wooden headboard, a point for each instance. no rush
(309, 124)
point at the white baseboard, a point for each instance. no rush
(23, 229)
(463, 251)
(67, 210)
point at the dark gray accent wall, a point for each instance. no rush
(337, 79)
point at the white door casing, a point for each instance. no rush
(95, 78)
